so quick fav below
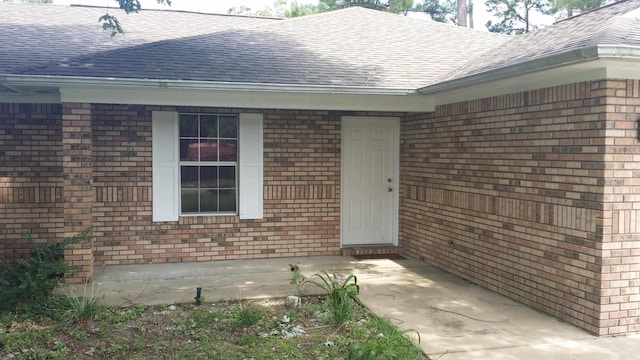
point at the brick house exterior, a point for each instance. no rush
(529, 190)
(542, 214)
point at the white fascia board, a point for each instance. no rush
(249, 99)
(591, 63)
(527, 67)
(64, 81)
(240, 95)
(622, 52)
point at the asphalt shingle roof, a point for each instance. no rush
(35, 34)
(350, 47)
(616, 24)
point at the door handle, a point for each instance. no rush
(389, 189)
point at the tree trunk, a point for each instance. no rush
(462, 13)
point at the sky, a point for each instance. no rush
(221, 6)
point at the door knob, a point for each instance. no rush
(389, 189)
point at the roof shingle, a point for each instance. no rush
(350, 47)
(604, 26)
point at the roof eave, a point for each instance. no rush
(546, 63)
(573, 57)
(214, 94)
(73, 81)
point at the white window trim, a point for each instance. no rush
(166, 167)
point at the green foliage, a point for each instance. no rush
(29, 283)
(401, 6)
(440, 11)
(341, 295)
(296, 10)
(393, 6)
(566, 8)
(129, 313)
(328, 5)
(386, 342)
(245, 316)
(204, 318)
(82, 307)
(211, 331)
(515, 15)
(112, 24)
(297, 279)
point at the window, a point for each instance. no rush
(208, 163)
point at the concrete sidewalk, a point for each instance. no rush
(456, 319)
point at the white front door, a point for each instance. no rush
(369, 181)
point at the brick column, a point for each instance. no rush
(77, 165)
(619, 305)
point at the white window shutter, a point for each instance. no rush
(251, 169)
(165, 166)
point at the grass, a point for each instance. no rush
(256, 329)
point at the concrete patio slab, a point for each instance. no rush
(456, 319)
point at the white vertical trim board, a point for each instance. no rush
(165, 169)
(251, 188)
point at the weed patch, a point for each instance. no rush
(258, 329)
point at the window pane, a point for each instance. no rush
(229, 127)
(208, 200)
(227, 177)
(227, 200)
(209, 177)
(205, 142)
(208, 150)
(188, 125)
(189, 201)
(189, 177)
(188, 150)
(228, 150)
(209, 126)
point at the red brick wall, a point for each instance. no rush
(620, 277)
(77, 170)
(302, 178)
(30, 176)
(508, 192)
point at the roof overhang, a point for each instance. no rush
(55, 89)
(585, 64)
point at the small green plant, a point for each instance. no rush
(341, 295)
(297, 279)
(132, 312)
(387, 342)
(80, 335)
(82, 307)
(246, 316)
(29, 283)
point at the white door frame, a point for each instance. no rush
(396, 176)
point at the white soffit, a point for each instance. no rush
(250, 99)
